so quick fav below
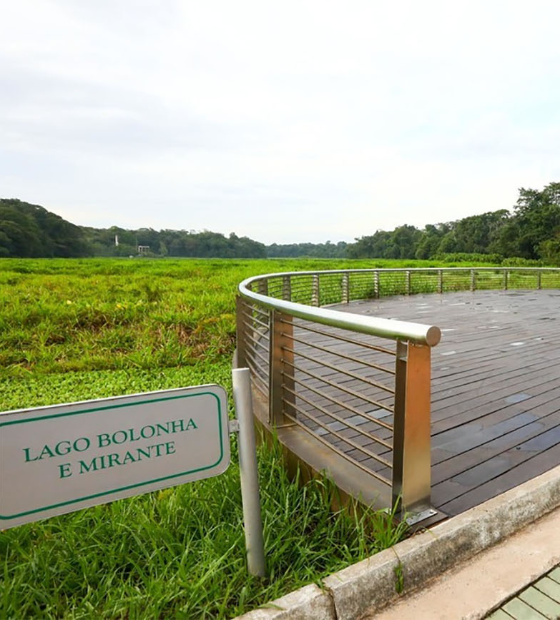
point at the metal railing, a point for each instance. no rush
(358, 384)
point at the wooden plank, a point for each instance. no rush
(510, 478)
(469, 444)
(488, 395)
(463, 461)
(475, 415)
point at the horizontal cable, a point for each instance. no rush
(252, 338)
(256, 308)
(344, 372)
(260, 388)
(263, 359)
(256, 375)
(262, 372)
(343, 355)
(251, 355)
(338, 386)
(332, 446)
(350, 442)
(355, 410)
(255, 320)
(348, 408)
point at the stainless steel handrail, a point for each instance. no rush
(392, 269)
(383, 328)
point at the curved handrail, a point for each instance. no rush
(393, 270)
(384, 328)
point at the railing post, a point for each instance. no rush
(505, 279)
(315, 290)
(408, 282)
(539, 279)
(241, 331)
(287, 288)
(411, 434)
(263, 287)
(376, 290)
(440, 281)
(280, 374)
(473, 280)
(345, 288)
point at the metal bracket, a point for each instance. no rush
(233, 426)
(420, 516)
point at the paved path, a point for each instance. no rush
(517, 571)
(541, 600)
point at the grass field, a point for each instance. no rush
(80, 329)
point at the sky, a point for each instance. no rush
(285, 121)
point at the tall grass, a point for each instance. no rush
(75, 329)
(179, 553)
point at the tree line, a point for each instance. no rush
(28, 230)
(530, 231)
(116, 241)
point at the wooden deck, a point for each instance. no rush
(495, 390)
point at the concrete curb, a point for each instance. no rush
(372, 584)
(307, 603)
(481, 584)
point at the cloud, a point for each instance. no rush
(285, 122)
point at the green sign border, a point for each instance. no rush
(131, 486)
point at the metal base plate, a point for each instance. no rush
(416, 517)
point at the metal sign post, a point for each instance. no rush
(248, 472)
(58, 459)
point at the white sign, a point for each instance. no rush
(67, 457)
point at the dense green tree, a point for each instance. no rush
(312, 250)
(375, 246)
(429, 243)
(531, 231)
(537, 219)
(31, 231)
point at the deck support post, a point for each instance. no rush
(411, 434)
(506, 272)
(440, 281)
(376, 290)
(263, 287)
(345, 288)
(473, 280)
(315, 290)
(281, 374)
(539, 279)
(408, 288)
(287, 288)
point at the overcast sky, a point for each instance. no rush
(284, 121)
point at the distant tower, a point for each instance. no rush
(116, 241)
